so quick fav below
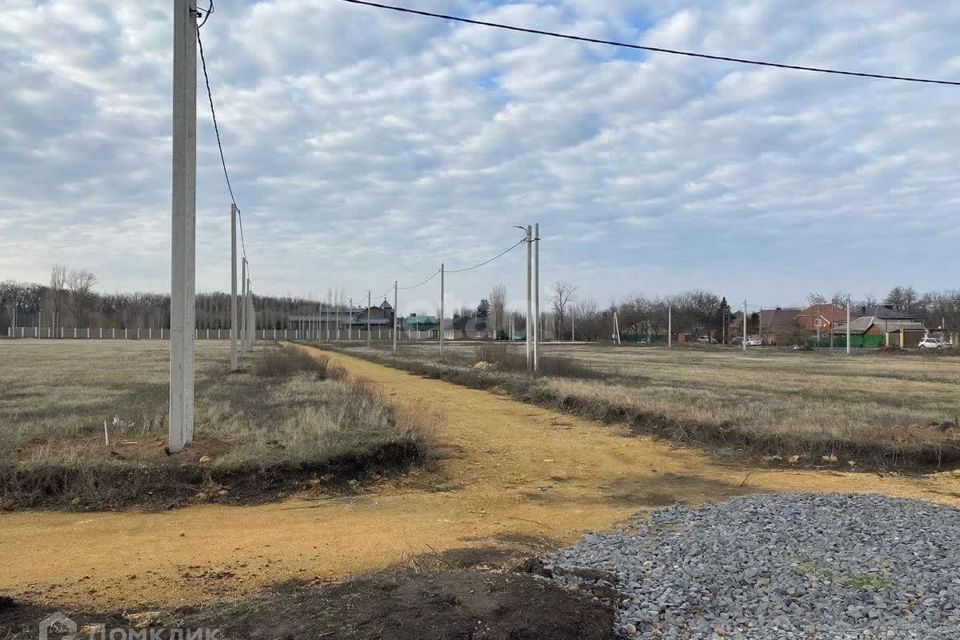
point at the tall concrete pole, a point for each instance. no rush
(669, 326)
(441, 308)
(760, 324)
(848, 325)
(744, 347)
(243, 306)
(536, 296)
(184, 213)
(251, 317)
(529, 327)
(234, 329)
(369, 305)
(394, 316)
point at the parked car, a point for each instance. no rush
(932, 343)
(754, 341)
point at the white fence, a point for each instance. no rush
(138, 334)
(200, 334)
(354, 335)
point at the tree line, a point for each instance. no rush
(69, 301)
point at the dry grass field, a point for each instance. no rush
(285, 416)
(873, 409)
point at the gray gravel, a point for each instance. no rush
(781, 566)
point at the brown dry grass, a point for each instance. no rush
(503, 357)
(874, 410)
(285, 417)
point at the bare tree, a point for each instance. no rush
(58, 281)
(81, 289)
(816, 298)
(498, 308)
(839, 299)
(562, 295)
(589, 320)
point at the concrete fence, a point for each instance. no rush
(48, 333)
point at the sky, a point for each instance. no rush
(367, 146)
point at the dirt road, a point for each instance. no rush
(511, 474)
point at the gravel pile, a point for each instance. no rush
(781, 566)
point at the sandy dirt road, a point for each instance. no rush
(510, 474)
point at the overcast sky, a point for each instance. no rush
(367, 146)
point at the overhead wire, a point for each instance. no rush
(216, 129)
(210, 10)
(486, 262)
(423, 282)
(627, 45)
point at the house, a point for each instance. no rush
(418, 326)
(820, 319)
(468, 329)
(329, 318)
(379, 316)
(778, 325)
(887, 312)
(874, 331)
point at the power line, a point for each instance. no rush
(216, 129)
(627, 45)
(209, 12)
(420, 284)
(486, 262)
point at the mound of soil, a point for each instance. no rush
(142, 474)
(407, 605)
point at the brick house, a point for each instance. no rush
(821, 319)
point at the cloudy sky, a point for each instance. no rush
(367, 146)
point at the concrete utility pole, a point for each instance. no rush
(233, 288)
(251, 317)
(394, 316)
(848, 325)
(369, 305)
(616, 326)
(528, 331)
(744, 346)
(760, 325)
(243, 306)
(184, 215)
(441, 307)
(669, 326)
(536, 297)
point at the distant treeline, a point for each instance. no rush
(69, 301)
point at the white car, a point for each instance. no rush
(932, 343)
(753, 341)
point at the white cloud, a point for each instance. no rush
(366, 146)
